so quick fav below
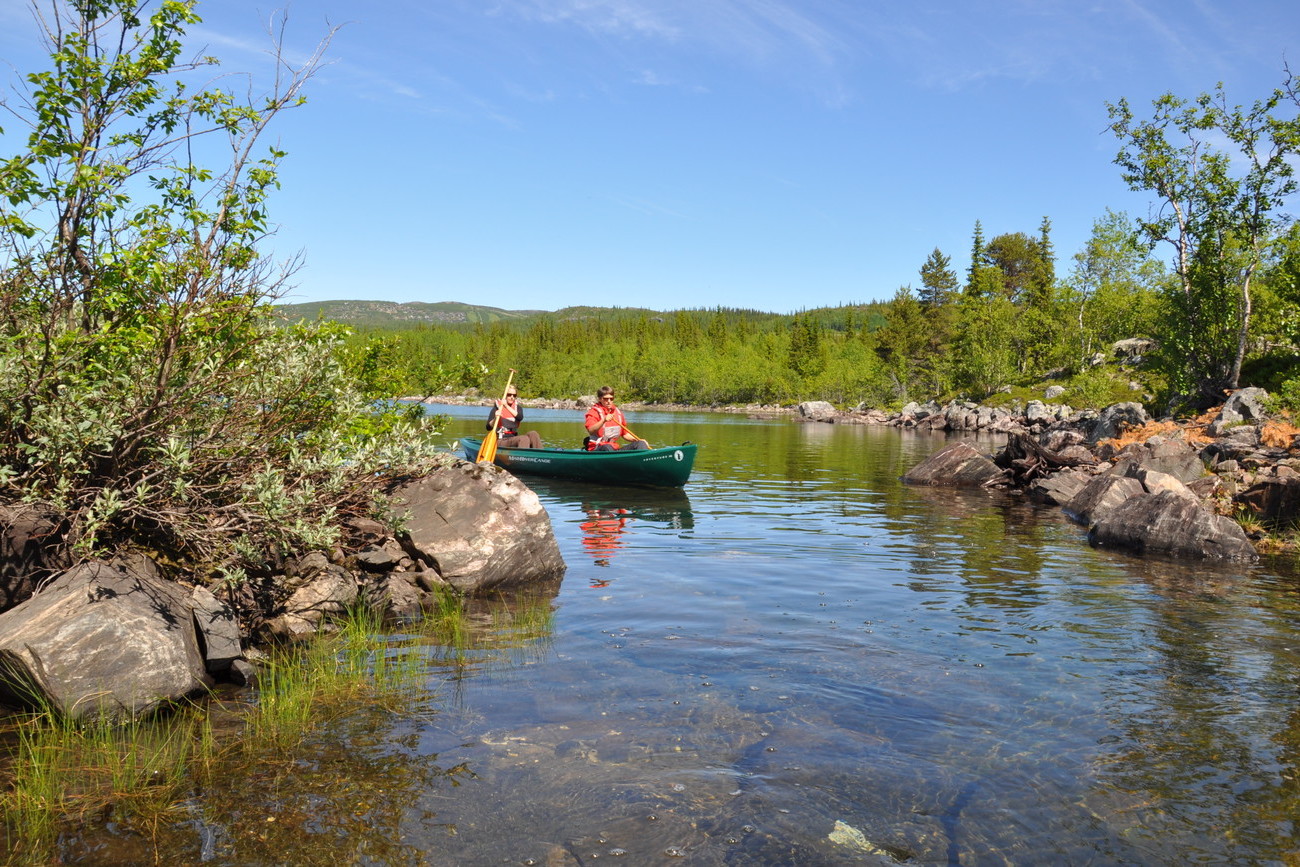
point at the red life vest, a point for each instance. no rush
(611, 431)
(509, 418)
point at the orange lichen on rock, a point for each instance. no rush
(1278, 434)
(1193, 432)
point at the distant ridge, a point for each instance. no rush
(403, 315)
(457, 314)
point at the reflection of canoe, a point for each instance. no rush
(668, 508)
(667, 467)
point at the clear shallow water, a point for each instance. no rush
(797, 660)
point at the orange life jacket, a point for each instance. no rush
(611, 431)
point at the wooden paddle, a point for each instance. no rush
(629, 430)
(488, 451)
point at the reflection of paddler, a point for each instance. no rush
(601, 532)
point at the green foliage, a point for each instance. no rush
(1097, 387)
(984, 349)
(145, 387)
(1221, 173)
(805, 354)
(1113, 290)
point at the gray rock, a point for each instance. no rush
(1169, 524)
(1156, 482)
(377, 559)
(1243, 406)
(1053, 392)
(816, 410)
(100, 640)
(395, 596)
(1037, 411)
(958, 465)
(328, 594)
(1133, 347)
(1173, 457)
(1058, 488)
(1101, 495)
(480, 528)
(217, 628)
(1114, 418)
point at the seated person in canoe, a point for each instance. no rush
(512, 415)
(606, 426)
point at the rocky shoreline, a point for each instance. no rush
(124, 637)
(1217, 488)
(1238, 464)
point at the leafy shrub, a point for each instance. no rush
(145, 388)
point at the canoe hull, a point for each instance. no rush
(666, 467)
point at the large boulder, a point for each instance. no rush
(1243, 406)
(958, 465)
(101, 640)
(479, 527)
(1132, 349)
(1173, 525)
(816, 410)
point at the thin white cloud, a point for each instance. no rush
(606, 17)
(776, 36)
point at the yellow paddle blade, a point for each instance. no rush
(488, 451)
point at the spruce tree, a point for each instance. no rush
(938, 280)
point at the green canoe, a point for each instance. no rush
(666, 468)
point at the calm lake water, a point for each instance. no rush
(799, 661)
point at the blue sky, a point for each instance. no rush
(769, 154)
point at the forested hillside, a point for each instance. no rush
(1009, 321)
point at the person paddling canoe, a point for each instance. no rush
(606, 426)
(512, 415)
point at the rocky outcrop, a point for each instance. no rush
(816, 410)
(102, 640)
(1244, 406)
(119, 640)
(326, 590)
(1113, 419)
(1168, 495)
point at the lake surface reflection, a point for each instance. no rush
(798, 660)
